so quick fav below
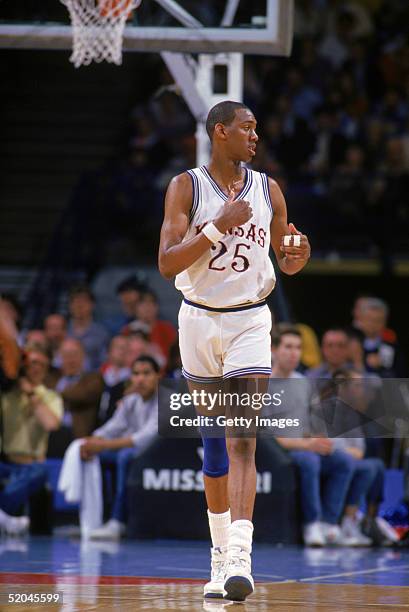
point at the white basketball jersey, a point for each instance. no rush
(237, 269)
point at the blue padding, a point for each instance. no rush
(215, 459)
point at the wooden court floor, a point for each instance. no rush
(277, 597)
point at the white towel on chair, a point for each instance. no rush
(80, 481)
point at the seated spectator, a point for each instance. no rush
(111, 396)
(29, 412)
(367, 482)
(92, 335)
(334, 347)
(55, 329)
(129, 292)
(80, 390)
(9, 363)
(126, 435)
(139, 344)
(116, 373)
(115, 369)
(161, 333)
(315, 458)
(38, 337)
(381, 357)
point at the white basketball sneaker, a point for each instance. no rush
(332, 534)
(352, 535)
(13, 525)
(239, 581)
(312, 534)
(215, 587)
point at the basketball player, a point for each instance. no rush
(219, 223)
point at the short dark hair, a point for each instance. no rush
(337, 330)
(130, 283)
(223, 112)
(148, 359)
(149, 293)
(80, 289)
(284, 329)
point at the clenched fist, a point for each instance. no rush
(233, 214)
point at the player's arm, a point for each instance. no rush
(291, 259)
(174, 257)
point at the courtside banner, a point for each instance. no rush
(299, 407)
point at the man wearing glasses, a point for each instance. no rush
(131, 429)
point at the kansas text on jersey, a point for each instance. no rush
(236, 270)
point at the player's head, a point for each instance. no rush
(232, 126)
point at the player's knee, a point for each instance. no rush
(215, 458)
(241, 448)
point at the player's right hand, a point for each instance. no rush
(233, 214)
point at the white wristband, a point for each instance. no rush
(212, 233)
(294, 238)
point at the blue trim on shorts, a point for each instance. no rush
(203, 379)
(240, 372)
(245, 371)
(228, 309)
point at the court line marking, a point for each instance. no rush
(183, 569)
(272, 576)
(356, 573)
(206, 571)
(357, 606)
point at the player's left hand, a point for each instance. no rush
(296, 253)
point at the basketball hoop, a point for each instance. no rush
(98, 28)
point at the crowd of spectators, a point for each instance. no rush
(80, 379)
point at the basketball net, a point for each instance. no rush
(98, 29)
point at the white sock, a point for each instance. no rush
(219, 528)
(241, 535)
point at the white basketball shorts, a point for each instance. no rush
(219, 345)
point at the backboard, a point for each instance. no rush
(187, 26)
